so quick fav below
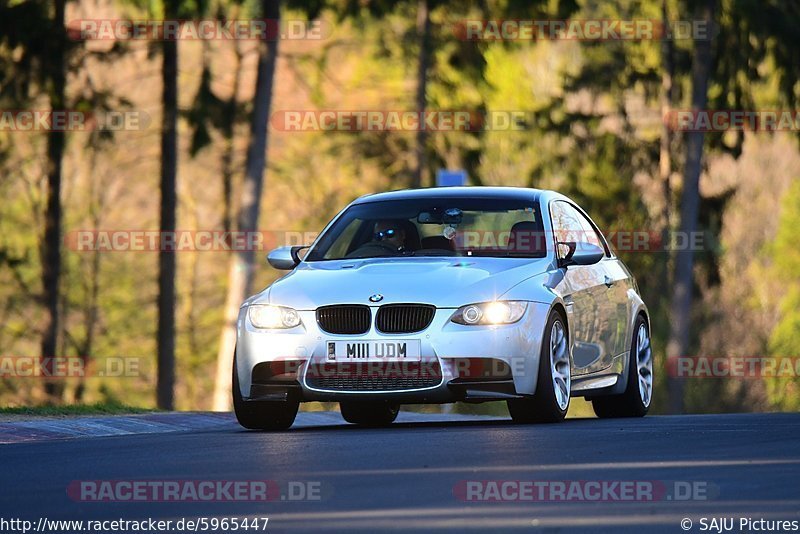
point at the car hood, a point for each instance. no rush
(442, 282)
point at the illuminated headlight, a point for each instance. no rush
(268, 316)
(497, 312)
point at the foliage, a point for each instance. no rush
(784, 343)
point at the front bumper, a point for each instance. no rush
(445, 346)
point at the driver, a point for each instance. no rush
(390, 233)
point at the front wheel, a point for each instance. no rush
(635, 402)
(262, 415)
(369, 413)
(551, 400)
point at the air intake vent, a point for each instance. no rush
(375, 376)
(344, 319)
(404, 318)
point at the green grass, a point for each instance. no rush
(98, 408)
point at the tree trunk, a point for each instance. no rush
(665, 156)
(681, 305)
(229, 148)
(423, 34)
(240, 275)
(165, 392)
(91, 311)
(51, 243)
(664, 159)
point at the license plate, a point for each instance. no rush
(407, 350)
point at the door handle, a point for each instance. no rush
(608, 281)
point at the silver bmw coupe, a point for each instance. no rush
(440, 295)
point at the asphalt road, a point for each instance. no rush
(412, 476)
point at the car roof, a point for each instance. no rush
(519, 193)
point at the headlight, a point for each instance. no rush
(497, 312)
(268, 316)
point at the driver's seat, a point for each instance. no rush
(527, 238)
(412, 234)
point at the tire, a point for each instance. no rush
(633, 402)
(369, 413)
(262, 415)
(546, 406)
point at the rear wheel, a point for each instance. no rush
(635, 402)
(551, 400)
(262, 415)
(369, 413)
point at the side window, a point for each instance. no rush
(566, 223)
(566, 226)
(571, 225)
(590, 234)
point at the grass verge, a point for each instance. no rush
(98, 408)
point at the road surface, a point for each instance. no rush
(430, 473)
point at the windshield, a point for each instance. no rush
(434, 227)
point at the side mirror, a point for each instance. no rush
(285, 258)
(581, 253)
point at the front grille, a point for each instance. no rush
(374, 376)
(344, 319)
(404, 318)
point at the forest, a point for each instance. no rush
(234, 126)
